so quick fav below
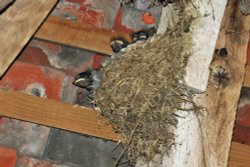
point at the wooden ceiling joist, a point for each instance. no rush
(54, 114)
(79, 35)
(239, 155)
(246, 82)
(18, 23)
(81, 120)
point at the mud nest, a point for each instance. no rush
(143, 88)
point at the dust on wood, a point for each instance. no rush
(18, 23)
(221, 98)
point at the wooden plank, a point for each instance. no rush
(204, 139)
(18, 24)
(78, 35)
(197, 70)
(82, 120)
(4, 4)
(239, 155)
(55, 114)
(247, 76)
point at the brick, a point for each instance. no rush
(73, 148)
(76, 1)
(34, 56)
(8, 157)
(118, 26)
(30, 162)
(95, 12)
(21, 76)
(241, 134)
(27, 138)
(48, 48)
(110, 9)
(74, 60)
(82, 13)
(69, 94)
(243, 116)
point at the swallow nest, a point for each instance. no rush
(142, 89)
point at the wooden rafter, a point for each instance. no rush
(247, 77)
(18, 24)
(239, 155)
(55, 114)
(79, 35)
(81, 120)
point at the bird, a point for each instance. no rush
(117, 44)
(140, 36)
(89, 80)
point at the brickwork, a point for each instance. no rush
(47, 70)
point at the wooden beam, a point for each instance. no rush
(18, 24)
(79, 35)
(239, 155)
(82, 120)
(4, 4)
(55, 114)
(246, 82)
(204, 139)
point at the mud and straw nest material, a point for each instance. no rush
(143, 88)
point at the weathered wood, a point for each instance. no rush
(4, 4)
(78, 35)
(18, 24)
(247, 77)
(204, 139)
(55, 114)
(204, 30)
(82, 120)
(239, 155)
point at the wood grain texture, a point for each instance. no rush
(239, 155)
(18, 24)
(204, 139)
(4, 4)
(78, 35)
(221, 98)
(246, 82)
(82, 120)
(55, 114)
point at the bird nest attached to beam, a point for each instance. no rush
(143, 88)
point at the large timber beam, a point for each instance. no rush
(204, 139)
(18, 23)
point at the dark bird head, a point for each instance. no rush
(83, 80)
(117, 44)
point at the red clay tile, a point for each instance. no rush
(46, 46)
(97, 60)
(85, 15)
(243, 116)
(77, 1)
(21, 76)
(34, 56)
(8, 157)
(27, 138)
(241, 134)
(31, 162)
(118, 23)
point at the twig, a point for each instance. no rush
(130, 141)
